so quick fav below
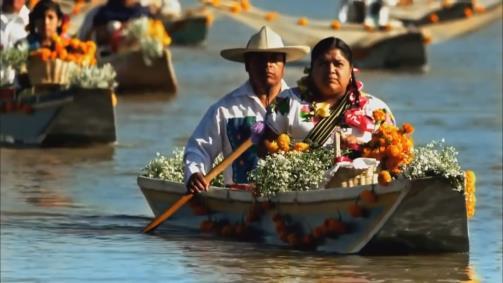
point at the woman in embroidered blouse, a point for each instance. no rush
(330, 83)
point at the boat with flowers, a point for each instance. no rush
(319, 200)
(393, 46)
(70, 100)
(55, 117)
(368, 218)
(438, 27)
(138, 51)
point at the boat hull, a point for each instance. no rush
(377, 48)
(306, 211)
(431, 218)
(188, 31)
(30, 129)
(89, 119)
(135, 75)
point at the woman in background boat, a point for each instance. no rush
(46, 22)
(330, 82)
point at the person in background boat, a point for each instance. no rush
(13, 21)
(167, 9)
(46, 21)
(227, 123)
(372, 13)
(104, 22)
(330, 82)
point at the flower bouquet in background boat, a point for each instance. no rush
(12, 61)
(52, 66)
(138, 52)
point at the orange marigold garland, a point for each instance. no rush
(392, 146)
(470, 193)
(68, 50)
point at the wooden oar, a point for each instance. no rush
(210, 176)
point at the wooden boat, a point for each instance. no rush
(90, 118)
(396, 47)
(135, 75)
(444, 30)
(27, 120)
(56, 117)
(191, 29)
(407, 212)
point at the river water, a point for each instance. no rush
(75, 214)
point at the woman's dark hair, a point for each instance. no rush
(39, 10)
(329, 43)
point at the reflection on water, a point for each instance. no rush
(75, 214)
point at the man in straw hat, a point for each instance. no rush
(227, 123)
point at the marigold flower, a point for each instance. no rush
(384, 178)
(301, 146)
(379, 115)
(322, 109)
(271, 146)
(335, 24)
(284, 142)
(271, 16)
(303, 21)
(407, 128)
(393, 151)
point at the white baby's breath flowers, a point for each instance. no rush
(170, 168)
(92, 77)
(291, 171)
(436, 159)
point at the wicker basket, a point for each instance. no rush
(52, 72)
(345, 175)
(349, 177)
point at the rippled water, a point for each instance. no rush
(75, 214)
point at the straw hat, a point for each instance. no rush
(266, 41)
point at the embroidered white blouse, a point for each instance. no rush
(297, 126)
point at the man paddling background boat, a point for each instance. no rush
(227, 123)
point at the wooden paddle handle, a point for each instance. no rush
(210, 176)
(228, 161)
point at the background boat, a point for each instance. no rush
(135, 75)
(89, 119)
(28, 119)
(378, 48)
(191, 28)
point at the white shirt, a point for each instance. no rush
(224, 127)
(298, 127)
(13, 27)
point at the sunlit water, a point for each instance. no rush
(75, 214)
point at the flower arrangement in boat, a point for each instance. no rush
(291, 171)
(150, 35)
(284, 144)
(392, 146)
(93, 77)
(436, 159)
(11, 60)
(170, 168)
(82, 53)
(53, 65)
